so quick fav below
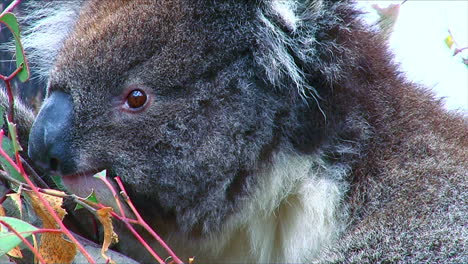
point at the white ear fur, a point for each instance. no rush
(280, 21)
(287, 13)
(45, 29)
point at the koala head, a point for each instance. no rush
(173, 97)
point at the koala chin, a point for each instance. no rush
(250, 131)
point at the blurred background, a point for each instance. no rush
(424, 35)
(419, 34)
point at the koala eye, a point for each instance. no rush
(136, 99)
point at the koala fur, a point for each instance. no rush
(274, 132)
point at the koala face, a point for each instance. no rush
(168, 97)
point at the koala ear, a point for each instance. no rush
(278, 23)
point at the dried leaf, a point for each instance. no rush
(449, 41)
(2, 211)
(52, 246)
(15, 253)
(104, 216)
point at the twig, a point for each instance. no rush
(10, 7)
(33, 174)
(143, 242)
(145, 225)
(457, 50)
(46, 230)
(11, 99)
(127, 224)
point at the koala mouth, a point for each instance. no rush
(85, 182)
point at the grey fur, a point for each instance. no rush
(263, 115)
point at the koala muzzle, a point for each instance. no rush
(49, 139)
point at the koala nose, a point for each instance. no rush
(49, 139)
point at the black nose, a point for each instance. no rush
(49, 139)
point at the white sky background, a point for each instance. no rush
(418, 42)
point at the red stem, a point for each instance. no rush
(44, 202)
(46, 230)
(11, 102)
(25, 241)
(146, 226)
(114, 193)
(144, 243)
(10, 7)
(11, 99)
(123, 218)
(459, 50)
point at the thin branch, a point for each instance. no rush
(11, 7)
(459, 50)
(143, 242)
(32, 173)
(11, 99)
(46, 230)
(145, 225)
(127, 224)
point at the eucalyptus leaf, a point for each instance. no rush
(91, 198)
(8, 239)
(10, 21)
(9, 148)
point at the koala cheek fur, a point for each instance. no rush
(269, 131)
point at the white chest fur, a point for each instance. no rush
(296, 212)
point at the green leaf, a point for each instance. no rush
(101, 175)
(57, 179)
(2, 114)
(9, 148)
(8, 240)
(14, 136)
(91, 198)
(11, 23)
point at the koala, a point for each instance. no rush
(251, 131)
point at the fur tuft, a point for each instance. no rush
(291, 53)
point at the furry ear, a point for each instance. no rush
(44, 30)
(290, 13)
(292, 49)
(279, 20)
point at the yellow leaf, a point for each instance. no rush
(35, 247)
(15, 253)
(104, 216)
(449, 41)
(52, 246)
